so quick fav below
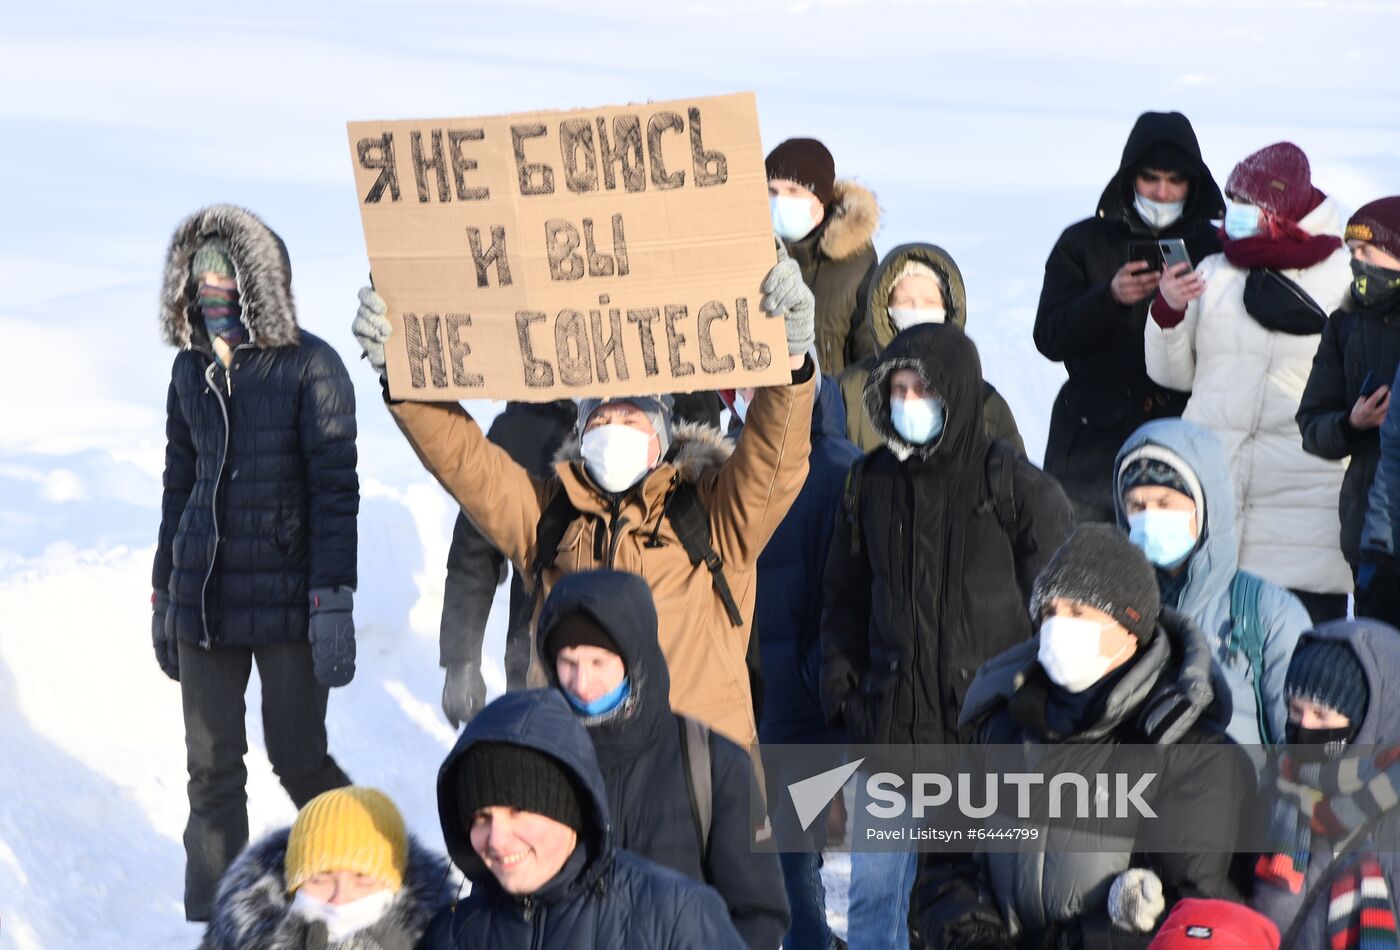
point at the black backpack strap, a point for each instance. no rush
(699, 778)
(558, 514)
(850, 500)
(1001, 483)
(692, 526)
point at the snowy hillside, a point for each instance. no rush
(984, 127)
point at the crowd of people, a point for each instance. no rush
(866, 555)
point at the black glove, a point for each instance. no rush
(332, 634)
(463, 693)
(163, 635)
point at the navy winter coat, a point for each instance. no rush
(261, 494)
(604, 897)
(645, 770)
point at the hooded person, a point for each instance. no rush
(827, 224)
(915, 283)
(1099, 281)
(928, 574)
(613, 503)
(599, 649)
(1177, 503)
(525, 817)
(255, 557)
(346, 876)
(1331, 874)
(1348, 392)
(1108, 667)
(787, 618)
(1239, 333)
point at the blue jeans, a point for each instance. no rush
(807, 899)
(878, 918)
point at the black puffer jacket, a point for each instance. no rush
(646, 772)
(1057, 894)
(1079, 323)
(1355, 342)
(261, 494)
(253, 910)
(604, 897)
(936, 585)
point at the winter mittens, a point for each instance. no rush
(1135, 901)
(786, 295)
(163, 636)
(463, 693)
(372, 328)
(332, 633)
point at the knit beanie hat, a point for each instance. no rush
(807, 162)
(1327, 672)
(577, 629)
(1378, 223)
(1099, 567)
(212, 257)
(917, 269)
(348, 829)
(503, 773)
(1278, 179)
(1196, 923)
(1157, 465)
(658, 410)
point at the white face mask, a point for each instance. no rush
(1069, 652)
(1241, 220)
(918, 421)
(342, 920)
(1158, 214)
(792, 217)
(905, 317)
(616, 456)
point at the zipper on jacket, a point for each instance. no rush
(615, 526)
(537, 935)
(915, 672)
(208, 642)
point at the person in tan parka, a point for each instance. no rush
(746, 496)
(884, 294)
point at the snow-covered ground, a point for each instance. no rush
(985, 127)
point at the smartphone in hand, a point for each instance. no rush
(1174, 252)
(1370, 384)
(1148, 251)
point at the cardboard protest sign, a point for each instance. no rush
(599, 252)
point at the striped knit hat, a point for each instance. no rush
(348, 829)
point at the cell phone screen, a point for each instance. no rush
(1146, 251)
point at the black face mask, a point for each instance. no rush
(1372, 286)
(1316, 745)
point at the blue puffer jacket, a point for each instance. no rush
(1211, 570)
(261, 494)
(604, 897)
(788, 606)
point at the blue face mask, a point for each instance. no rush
(792, 217)
(603, 704)
(1241, 221)
(1164, 536)
(918, 421)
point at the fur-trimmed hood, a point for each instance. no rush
(947, 362)
(852, 219)
(696, 450)
(263, 270)
(252, 910)
(950, 279)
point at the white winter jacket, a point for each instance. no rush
(1246, 383)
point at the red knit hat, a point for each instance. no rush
(1377, 223)
(1199, 924)
(807, 162)
(1277, 179)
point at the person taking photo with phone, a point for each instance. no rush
(1348, 391)
(1239, 332)
(1099, 282)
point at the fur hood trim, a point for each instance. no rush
(697, 450)
(253, 910)
(855, 215)
(264, 274)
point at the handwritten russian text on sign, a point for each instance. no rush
(601, 252)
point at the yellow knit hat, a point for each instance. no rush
(348, 829)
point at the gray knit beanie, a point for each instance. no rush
(1099, 567)
(657, 409)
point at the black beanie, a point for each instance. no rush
(577, 629)
(807, 162)
(1099, 567)
(516, 776)
(1327, 672)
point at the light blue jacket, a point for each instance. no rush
(1205, 598)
